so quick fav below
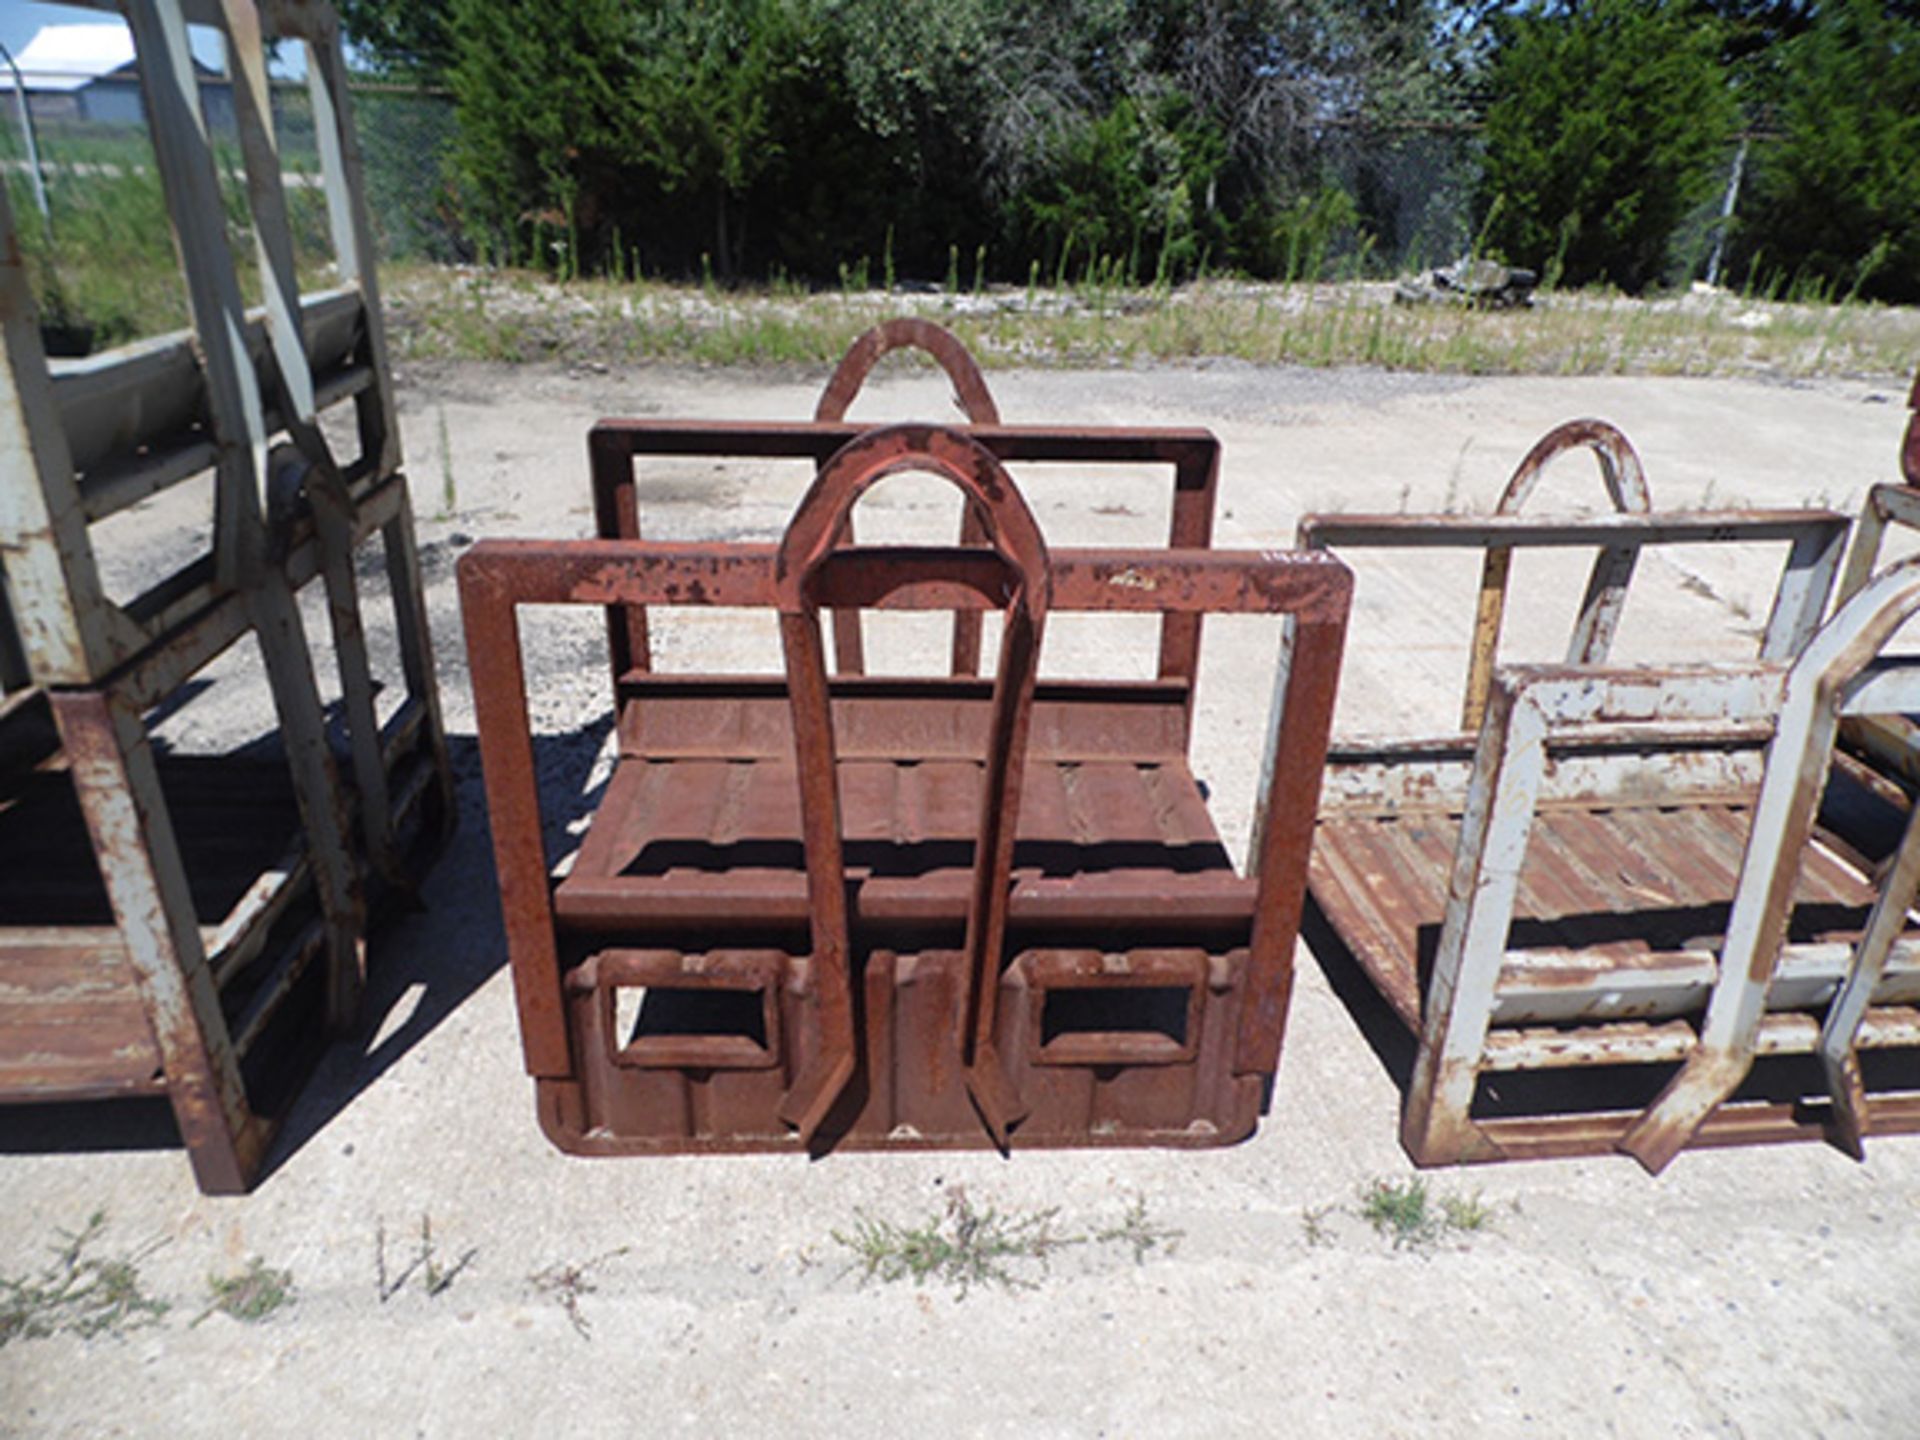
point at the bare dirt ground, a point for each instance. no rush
(1744, 1293)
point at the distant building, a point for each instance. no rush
(86, 73)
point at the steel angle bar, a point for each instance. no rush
(1783, 821)
(1494, 832)
(119, 790)
(169, 82)
(401, 551)
(1840, 1033)
(1292, 766)
(351, 229)
(67, 630)
(1662, 527)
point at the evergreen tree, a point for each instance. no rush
(544, 127)
(1608, 124)
(1836, 196)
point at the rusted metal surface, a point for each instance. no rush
(869, 911)
(146, 881)
(970, 394)
(1910, 450)
(1625, 873)
(1626, 485)
(223, 902)
(619, 449)
(1887, 745)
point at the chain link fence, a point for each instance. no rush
(92, 222)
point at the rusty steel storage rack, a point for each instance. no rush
(1607, 912)
(879, 911)
(193, 926)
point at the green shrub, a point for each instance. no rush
(1834, 199)
(1605, 129)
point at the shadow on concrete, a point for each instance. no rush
(428, 961)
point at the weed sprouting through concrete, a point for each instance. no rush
(965, 1246)
(79, 1292)
(567, 1283)
(250, 1296)
(435, 1277)
(1139, 1233)
(1409, 1214)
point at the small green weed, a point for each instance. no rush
(1400, 1211)
(252, 1295)
(1413, 1217)
(78, 1293)
(1313, 1225)
(1465, 1214)
(964, 1246)
(1138, 1233)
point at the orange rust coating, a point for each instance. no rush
(946, 1040)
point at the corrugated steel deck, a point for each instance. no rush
(1644, 888)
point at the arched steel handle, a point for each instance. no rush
(811, 543)
(901, 333)
(1626, 483)
(970, 390)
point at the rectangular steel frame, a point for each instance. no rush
(240, 394)
(1217, 945)
(1579, 771)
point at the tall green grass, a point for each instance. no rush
(1098, 320)
(102, 262)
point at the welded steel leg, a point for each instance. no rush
(830, 995)
(1299, 719)
(316, 786)
(1494, 831)
(416, 645)
(119, 789)
(333, 522)
(1783, 820)
(1838, 1057)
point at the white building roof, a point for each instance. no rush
(66, 57)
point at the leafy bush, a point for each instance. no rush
(738, 137)
(1606, 126)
